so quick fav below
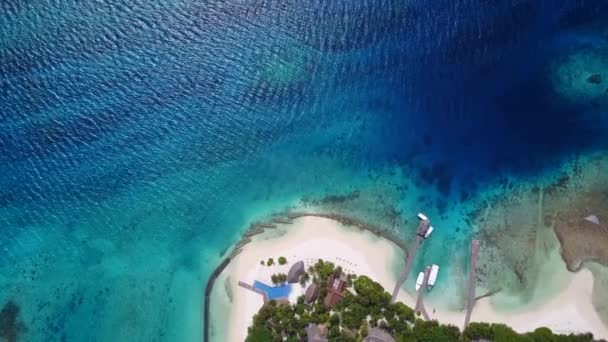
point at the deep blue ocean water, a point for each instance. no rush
(139, 138)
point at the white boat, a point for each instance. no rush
(419, 280)
(423, 217)
(432, 276)
(428, 232)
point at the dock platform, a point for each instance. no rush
(472, 281)
(423, 226)
(251, 288)
(420, 300)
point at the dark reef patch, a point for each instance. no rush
(581, 239)
(10, 326)
(333, 199)
(595, 79)
(559, 185)
(441, 205)
(464, 195)
(439, 175)
(339, 198)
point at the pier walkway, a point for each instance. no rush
(420, 300)
(423, 226)
(472, 281)
(251, 288)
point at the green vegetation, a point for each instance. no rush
(259, 333)
(501, 332)
(280, 278)
(304, 278)
(337, 271)
(282, 261)
(368, 305)
(270, 262)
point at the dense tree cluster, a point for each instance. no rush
(282, 261)
(304, 278)
(280, 278)
(500, 332)
(369, 305)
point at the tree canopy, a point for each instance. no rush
(369, 305)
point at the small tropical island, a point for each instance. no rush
(328, 278)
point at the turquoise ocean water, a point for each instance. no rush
(138, 139)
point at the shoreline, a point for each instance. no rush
(208, 289)
(571, 307)
(285, 218)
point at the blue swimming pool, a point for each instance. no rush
(273, 292)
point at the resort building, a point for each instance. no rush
(378, 335)
(295, 272)
(316, 332)
(312, 293)
(336, 290)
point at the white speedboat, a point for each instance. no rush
(419, 280)
(428, 232)
(423, 217)
(432, 277)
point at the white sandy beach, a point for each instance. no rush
(571, 311)
(363, 253)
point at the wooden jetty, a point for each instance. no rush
(420, 300)
(488, 294)
(472, 281)
(423, 226)
(251, 288)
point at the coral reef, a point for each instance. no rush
(10, 326)
(577, 77)
(523, 228)
(584, 194)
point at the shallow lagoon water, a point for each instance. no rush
(138, 140)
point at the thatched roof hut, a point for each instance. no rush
(315, 333)
(312, 292)
(295, 272)
(378, 335)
